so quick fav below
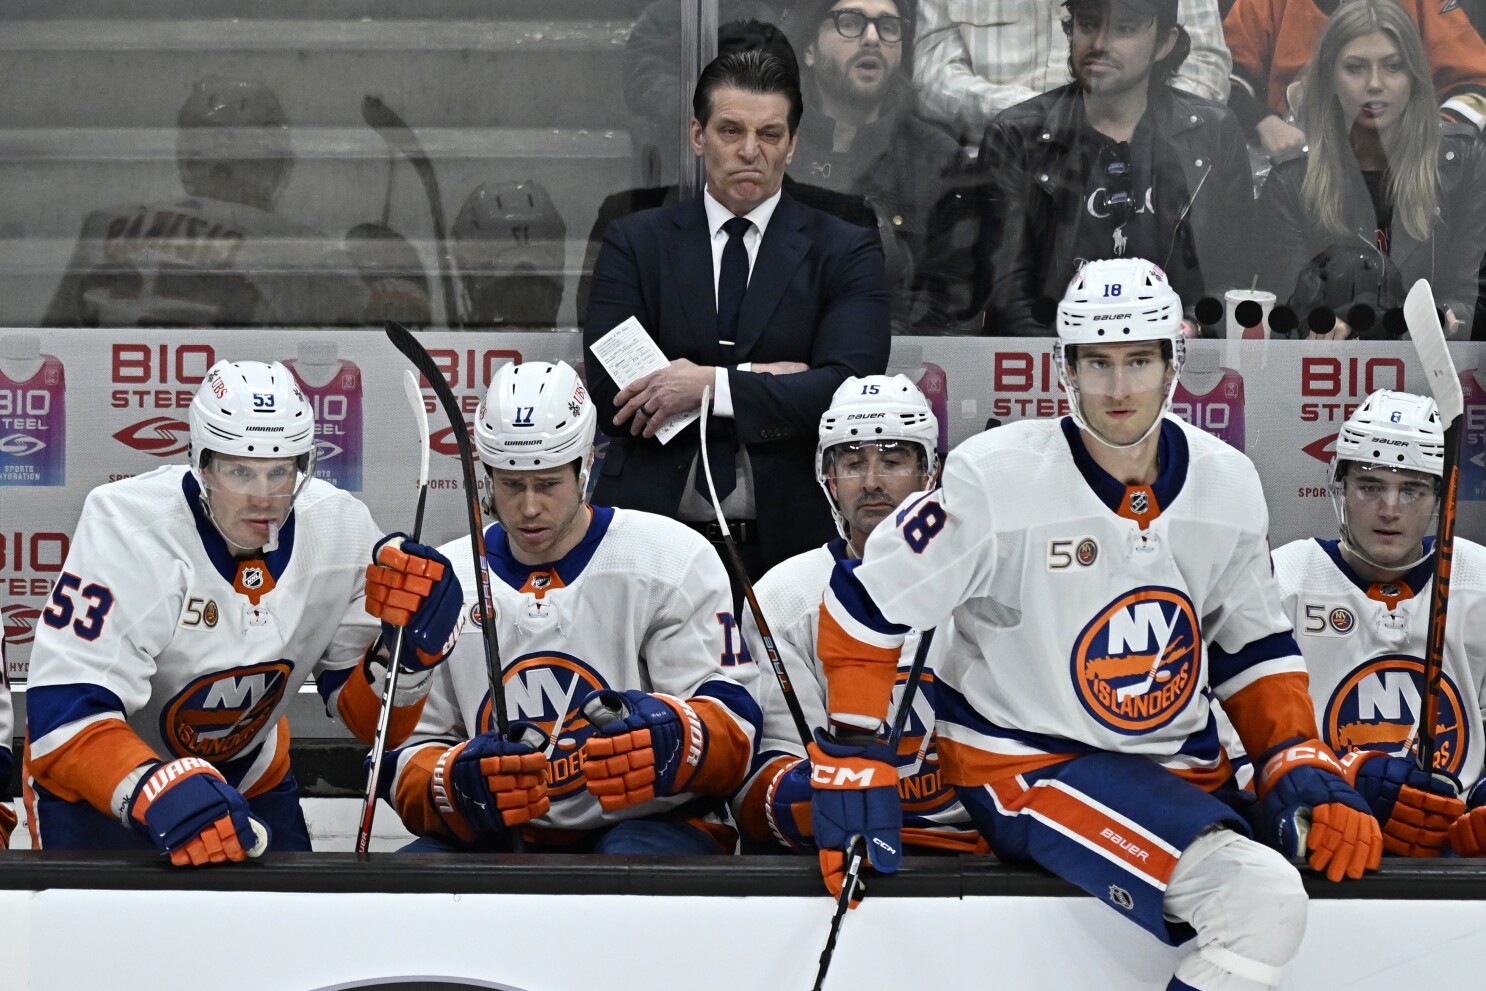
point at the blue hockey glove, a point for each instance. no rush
(1309, 809)
(787, 806)
(646, 745)
(855, 795)
(486, 786)
(415, 587)
(1415, 809)
(191, 813)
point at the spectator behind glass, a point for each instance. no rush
(653, 89)
(975, 58)
(861, 136)
(1383, 171)
(1117, 164)
(1272, 40)
(510, 245)
(221, 256)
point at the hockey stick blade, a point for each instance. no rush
(396, 132)
(1429, 341)
(405, 342)
(389, 692)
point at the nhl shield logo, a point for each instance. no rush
(1140, 502)
(252, 578)
(542, 580)
(1120, 897)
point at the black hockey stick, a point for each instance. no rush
(396, 132)
(741, 573)
(1429, 341)
(404, 341)
(851, 877)
(384, 718)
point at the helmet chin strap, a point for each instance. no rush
(1339, 504)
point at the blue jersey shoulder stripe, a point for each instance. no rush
(1222, 665)
(856, 600)
(51, 706)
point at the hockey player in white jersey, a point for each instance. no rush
(220, 255)
(877, 446)
(1361, 609)
(7, 759)
(1107, 577)
(193, 604)
(604, 616)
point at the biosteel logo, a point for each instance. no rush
(20, 623)
(162, 436)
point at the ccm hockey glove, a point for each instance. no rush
(486, 786)
(191, 813)
(1415, 809)
(1468, 832)
(414, 586)
(855, 795)
(1309, 809)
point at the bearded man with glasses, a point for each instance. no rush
(1116, 164)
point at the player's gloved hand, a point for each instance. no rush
(7, 824)
(491, 784)
(1415, 809)
(646, 745)
(415, 587)
(855, 793)
(1468, 832)
(191, 813)
(787, 806)
(1309, 810)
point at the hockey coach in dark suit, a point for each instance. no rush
(769, 302)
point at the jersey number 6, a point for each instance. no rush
(58, 612)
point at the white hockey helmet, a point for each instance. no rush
(536, 415)
(876, 408)
(251, 410)
(1390, 431)
(1118, 301)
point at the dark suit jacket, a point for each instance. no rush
(818, 295)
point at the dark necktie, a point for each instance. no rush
(732, 283)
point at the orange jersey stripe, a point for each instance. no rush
(1125, 843)
(411, 797)
(1272, 710)
(964, 841)
(962, 764)
(360, 707)
(729, 751)
(859, 676)
(88, 767)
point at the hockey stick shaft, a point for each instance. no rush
(1428, 336)
(396, 132)
(404, 341)
(741, 573)
(849, 883)
(389, 692)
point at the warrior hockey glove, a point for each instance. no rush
(415, 587)
(486, 786)
(646, 745)
(1415, 809)
(855, 794)
(191, 813)
(1468, 833)
(1308, 808)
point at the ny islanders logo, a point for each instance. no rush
(1136, 664)
(1377, 707)
(546, 688)
(217, 716)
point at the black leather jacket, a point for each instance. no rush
(1033, 190)
(1450, 258)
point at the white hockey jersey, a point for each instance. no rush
(789, 596)
(641, 603)
(1364, 647)
(154, 621)
(8, 816)
(1088, 616)
(201, 262)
